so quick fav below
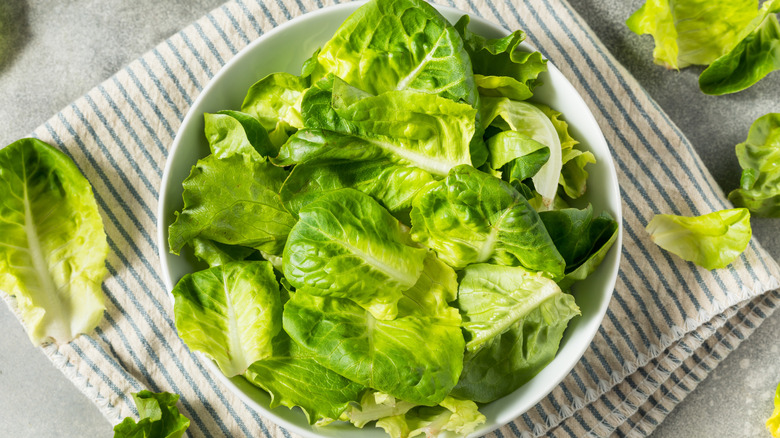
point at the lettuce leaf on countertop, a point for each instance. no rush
(160, 418)
(759, 157)
(53, 246)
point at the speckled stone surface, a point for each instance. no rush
(52, 52)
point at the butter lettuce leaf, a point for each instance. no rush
(756, 55)
(233, 132)
(275, 101)
(399, 45)
(346, 245)
(759, 157)
(712, 241)
(514, 320)
(472, 217)
(53, 246)
(452, 415)
(230, 313)
(160, 418)
(688, 32)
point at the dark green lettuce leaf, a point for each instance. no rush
(472, 217)
(235, 201)
(399, 45)
(160, 418)
(759, 157)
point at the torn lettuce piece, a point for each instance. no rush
(275, 101)
(472, 217)
(346, 245)
(756, 55)
(347, 339)
(399, 45)
(688, 32)
(514, 320)
(233, 132)
(234, 201)
(451, 415)
(159, 417)
(53, 246)
(759, 157)
(712, 241)
(230, 313)
(373, 406)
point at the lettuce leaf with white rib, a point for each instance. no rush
(53, 246)
(759, 157)
(346, 245)
(451, 415)
(347, 339)
(514, 320)
(472, 217)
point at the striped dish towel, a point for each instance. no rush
(667, 326)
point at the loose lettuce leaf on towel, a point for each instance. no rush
(346, 245)
(759, 157)
(399, 45)
(452, 415)
(712, 241)
(514, 320)
(52, 244)
(756, 55)
(230, 313)
(472, 217)
(347, 339)
(688, 32)
(160, 418)
(235, 201)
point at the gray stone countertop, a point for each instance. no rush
(52, 52)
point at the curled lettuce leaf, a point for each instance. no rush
(399, 45)
(53, 246)
(159, 417)
(759, 157)
(229, 313)
(451, 415)
(235, 201)
(346, 245)
(712, 241)
(756, 55)
(773, 422)
(688, 32)
(234, 132)
(472, 217)
(275, 101)
(514, 320)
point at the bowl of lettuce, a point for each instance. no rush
(389, 214)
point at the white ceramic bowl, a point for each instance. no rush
(285, 49)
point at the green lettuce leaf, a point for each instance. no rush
(52, 243)
(532, 122)
(215, 253)
(160, 418)
(688, 32)
(756, 55)
(514, 320)
(293, 378)
(399, 45)
(233, 132)
(712, 241)
(275, 101)
(773, 422)
(346, 245)
(472, 217)
(230, 313)
(459, 416)
(347, 339)
(373, 406)
(759, 157)
(235, 201)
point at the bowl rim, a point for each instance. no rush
(349, 7)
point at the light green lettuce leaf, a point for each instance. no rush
(160, 418)
(399, 45)
(688, 32)
(452, 415)
(514, 321)
(712, 241)
(275, 101)
(773, 422)
(346, 245)
(373, 406)
(230, 313)
(235, 201)
(472, 217)
(347, 339)
(756, 55)
(759, 157)
(233, 132)
(53, 247)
